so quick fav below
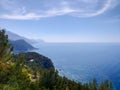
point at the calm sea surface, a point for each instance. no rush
(85, 61)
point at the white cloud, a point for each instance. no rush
(105, 7)
(79, 8)
(30, 16)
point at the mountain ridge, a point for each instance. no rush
(14, 37)
(21, 46)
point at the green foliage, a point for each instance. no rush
(5, 48)
(38, 60)
(52, 81)
(5, 57)
(17, 74)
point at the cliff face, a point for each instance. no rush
(40, 61)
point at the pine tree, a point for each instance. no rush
(5, 57)
(111, 86)
(6, 49)
(95, 85)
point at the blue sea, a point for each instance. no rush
(83, 62)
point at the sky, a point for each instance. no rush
(62, 20)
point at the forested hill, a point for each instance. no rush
(37, 60)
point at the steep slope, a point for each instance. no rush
(13, 36)
(21, 46)
(36, 60)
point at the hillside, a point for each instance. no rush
(37, 60)
(21, 46)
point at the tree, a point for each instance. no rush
(17, 79)
(5, 56)
(95, 85)
(111, 86)
(6, 49)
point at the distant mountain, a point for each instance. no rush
(21, 46)
(14, 37)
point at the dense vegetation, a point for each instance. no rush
(33, 59)
(17, 74)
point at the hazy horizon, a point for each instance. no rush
(39, 39)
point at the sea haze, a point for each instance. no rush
(85, 61)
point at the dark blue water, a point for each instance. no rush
(85, 61)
